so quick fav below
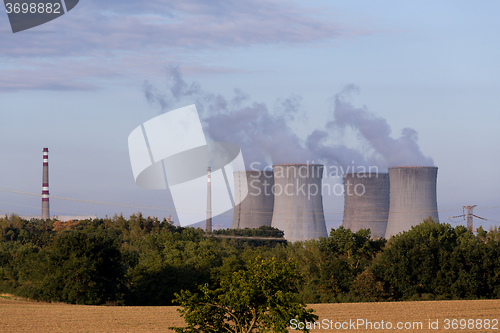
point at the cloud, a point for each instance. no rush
(66, 75)
(96, 26)
(138, 36)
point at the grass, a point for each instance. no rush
(24, 316)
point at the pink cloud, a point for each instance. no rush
(101, 39)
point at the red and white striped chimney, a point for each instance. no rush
(45, 185)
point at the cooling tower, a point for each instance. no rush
(413, 197)
(298, 202)
(257, 208)
(45, 185)
(366, 202)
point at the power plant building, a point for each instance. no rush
(413, 197)
(62, 218)
(298, 201)
(366, 202)
(256, 209)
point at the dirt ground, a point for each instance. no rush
(432, 314)
(25, 316)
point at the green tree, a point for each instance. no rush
(169, 262)
(345, 255)
(439, 260)
(367, 288)
(79, 268)
(261, 298)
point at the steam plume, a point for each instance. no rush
(265, 135)
(376, 131)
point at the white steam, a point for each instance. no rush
(266, 136)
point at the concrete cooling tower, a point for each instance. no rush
(413, 197)
(298, 202)
(257, 208)
(366, 202)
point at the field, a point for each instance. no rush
(25, 316)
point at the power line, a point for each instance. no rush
(225, 214)
(89, 201)
(469, 215)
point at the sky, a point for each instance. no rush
(385, 83)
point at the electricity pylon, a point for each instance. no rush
(469, 215)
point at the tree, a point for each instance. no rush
(345, 255)
(261, 298)
(80, 268)
(366, 287)
(439, 260)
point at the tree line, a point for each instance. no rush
(146, 261)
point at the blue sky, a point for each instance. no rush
(76, 85)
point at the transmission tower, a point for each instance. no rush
(469, 215)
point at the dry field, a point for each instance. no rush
(25, 316)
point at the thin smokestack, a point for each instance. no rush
(45, 185)
(208, 227)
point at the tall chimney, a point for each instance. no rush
(208, 227)
(45, 185)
